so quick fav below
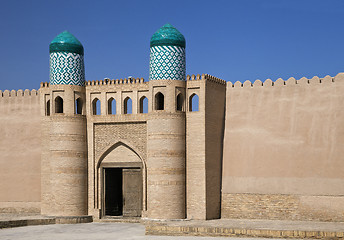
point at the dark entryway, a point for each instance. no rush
(123, 192)
(113, 192)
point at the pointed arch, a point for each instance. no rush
(112, 106)
(99, 166)
(110, 148)
(58, 105)
(127, 105)
(78, 106)
(159, 101)
(180, 102)
(48, 108)
(143, 104)
(194, 103)
(96, 106)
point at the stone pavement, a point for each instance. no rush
(90, 231)
(20, 220)
(246, 228)
(249, 228)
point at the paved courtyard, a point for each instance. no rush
(89, 231)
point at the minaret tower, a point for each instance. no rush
(167, 54)
(166, 126)
(64, 148)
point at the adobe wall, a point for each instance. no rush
(283, 150)
(20, 151)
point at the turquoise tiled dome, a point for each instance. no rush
(66, 60)
(167, 35)
(66, 42)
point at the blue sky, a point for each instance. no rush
(233, 40)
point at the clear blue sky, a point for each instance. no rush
(233, 40)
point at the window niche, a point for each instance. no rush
(96, 106)
(111, 106)
(194, 103)
(47, 110)
(159, 101)
(180, 102)
(58, 105)
(127, 105)
(143, 105)
(78, 106)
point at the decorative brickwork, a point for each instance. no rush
(108, 134)
(277, 206)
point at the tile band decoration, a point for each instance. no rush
(67, 68)
(167, 62)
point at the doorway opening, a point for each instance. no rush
(123, 192)
(113, 192)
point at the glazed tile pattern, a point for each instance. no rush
(167, 62)
(67, 68)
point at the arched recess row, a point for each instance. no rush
(58, 106)
(192, 103)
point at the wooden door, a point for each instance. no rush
(132, 192)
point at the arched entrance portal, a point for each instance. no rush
(121, 170)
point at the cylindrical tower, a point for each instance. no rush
(64, 157)
(166, 126)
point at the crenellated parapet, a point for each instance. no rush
(108, 81)
(18, 93)
(44, 84)
(291, 81)
(205, 77)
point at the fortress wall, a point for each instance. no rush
(196, 207)
(283, 150)
(214, 123)
(204, 146)
(20, 151)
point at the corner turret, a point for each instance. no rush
(64, 134)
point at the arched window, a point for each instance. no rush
(111, 106)
(180, 102)
(127, 105)
(78, 106)
(48, 108)
(193, 103)
(96, 106)
(58, 105)
(159, 101)
(143, 105)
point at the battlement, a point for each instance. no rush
(291, 81)
(18, 93)
(205, 77)
(108, 81)
(44, 84)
